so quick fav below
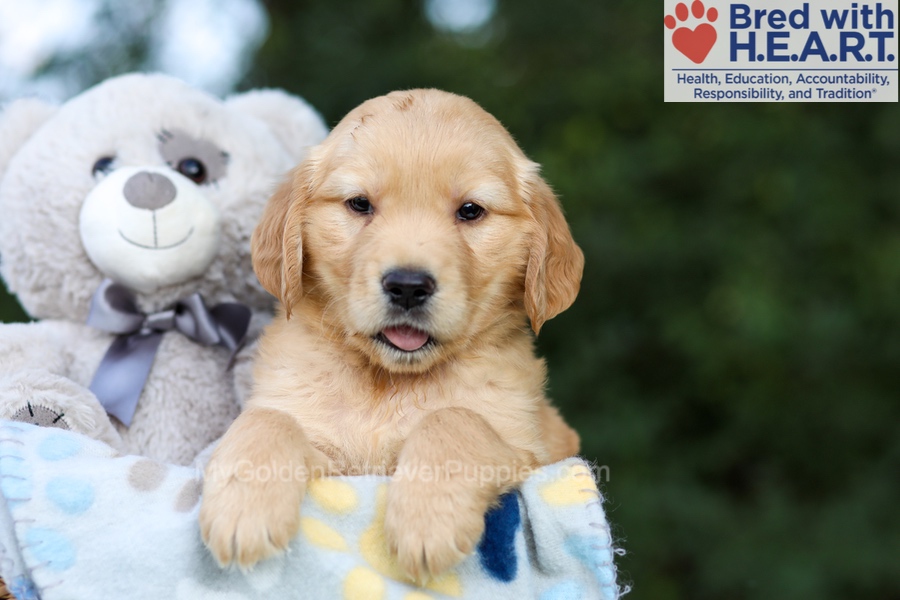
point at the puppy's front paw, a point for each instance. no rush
(430, 527)
(246, 516)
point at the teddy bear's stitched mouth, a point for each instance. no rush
(169, 247)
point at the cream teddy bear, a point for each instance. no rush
(125, 220)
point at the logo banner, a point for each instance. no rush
(780, 51)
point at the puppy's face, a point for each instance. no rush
(417, 230)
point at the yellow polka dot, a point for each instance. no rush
(447, 584)
(363, 584)
(333, 495)
(372, 544)
(322, 535)
(575, 487)
(373, 547)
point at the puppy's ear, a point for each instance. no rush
(276, 244)
(555, 262)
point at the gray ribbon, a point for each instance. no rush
(122, 373)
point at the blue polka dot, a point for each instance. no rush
(594, 554)
(567, 590)
(50, 547)
(23, 589)
(58, 447)
(72, 496)
(15, 488)
(498, 544)
(15, 466)
(10, 451)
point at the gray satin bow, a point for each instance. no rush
(122, 373)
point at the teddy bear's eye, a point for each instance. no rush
(103, 166)
(193, 169)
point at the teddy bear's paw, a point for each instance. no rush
(431, 527)
(42, 398)
(40, 415)
(248, 516)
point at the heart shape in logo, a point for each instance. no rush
(695, 43)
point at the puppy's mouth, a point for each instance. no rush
(405, 338)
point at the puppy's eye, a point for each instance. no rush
(103, 166)
(469, 212)
(193, 169)
(361, 205)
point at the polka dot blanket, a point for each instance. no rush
(78, 521)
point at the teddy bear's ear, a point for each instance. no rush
(18, 120)
(294, 123)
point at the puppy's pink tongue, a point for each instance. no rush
(405, 337)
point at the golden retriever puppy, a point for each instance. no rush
(409, 252)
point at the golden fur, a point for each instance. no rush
(330, 396)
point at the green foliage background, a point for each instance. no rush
(734, 355)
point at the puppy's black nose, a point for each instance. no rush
(407, 288)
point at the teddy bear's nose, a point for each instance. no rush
(150, 191)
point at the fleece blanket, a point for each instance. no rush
(79, 521)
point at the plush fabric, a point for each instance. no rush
(78, 521)
(52, 161)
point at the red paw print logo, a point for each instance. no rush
(697, 42)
